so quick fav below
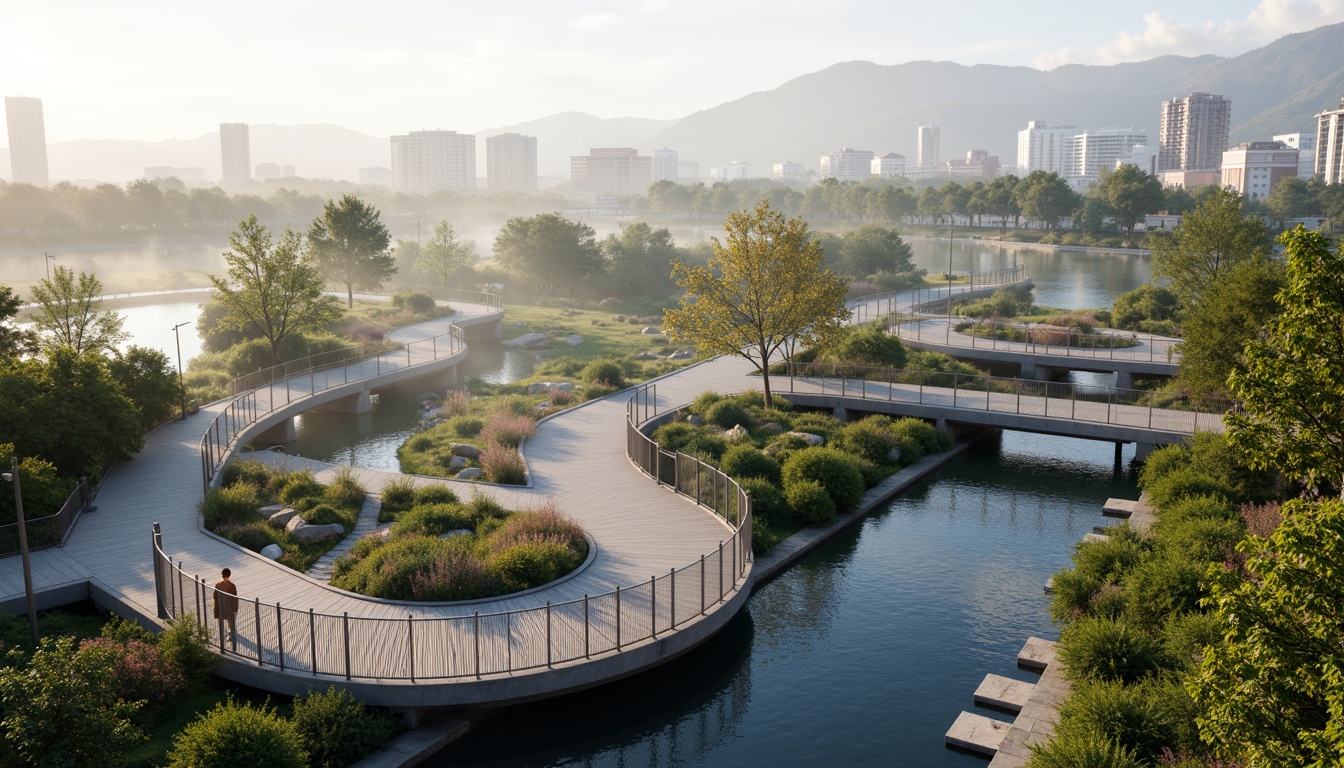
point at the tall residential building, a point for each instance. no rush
(235, 145)
(1256, 167)
(1193, 132)
(847, 164)
(1330, 145)
(888, 166)
(1094, 150)
(27, 140)
(788, 170)
(511, 163)
(611, 172)
(430, 161)
(1044, 148)
(927, 153)
(1305, 143)
(665, 165)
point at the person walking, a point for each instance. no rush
(226, 606)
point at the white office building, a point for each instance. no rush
(788, 171)
(1046, 148)
(1305, 144)
(1330, 145)
(430, 161)
(27, 140)
(611, 172)
(235, 149)
(847, 164)
(1256, 167)
(888, 166)
(1143, 156)
(733, 171)
(927, 153)
(1094, 150)
(665, 165)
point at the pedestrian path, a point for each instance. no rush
(366, 523)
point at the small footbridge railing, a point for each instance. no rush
(443, 641)
(1056, 400)
(1038, 339)
(875, 305)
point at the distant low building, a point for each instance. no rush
(733, 171)
(1145, 157)
(688, 170)
(789, 171)
(847, 164)
(978, 163)
(268, 172)
(1305, 144)
(185, 175)
(1253, 169)
(376, 176)
(888, 166)
(611, 172)
(1189, 179)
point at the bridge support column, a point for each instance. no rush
(942, 426)
(840, 413)
(280, 433)
(1124, 380)
(356, 403)
(1035, 372)
(1143, 450)
(412, 716)
(491, 331)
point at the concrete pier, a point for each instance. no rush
(1004, 693)
(977, 733)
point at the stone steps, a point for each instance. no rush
(1003, 693)
(977, 733)
(366, 523)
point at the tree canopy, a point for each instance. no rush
(1207, 243)
(872, 249)
(1045, 197)
(70, 313)
(272, 288)
(764, 288)
(1292, 387)
(1131, 194)
(14, 341)
(444, 254)
(350, 245)
(638, 260)
(556, 253)
(148, 379)
(1234, 310)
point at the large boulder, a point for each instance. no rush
(308, 534)
(295, 523)
(533, 340)
(737, 434)
(681, 354)
(466, 451)
(471, 473)
(809, 437)
(270, 509)
(772, 428)
(280, 518)
(457, 462)
(538, 387)
(574, 340)
(272, 551)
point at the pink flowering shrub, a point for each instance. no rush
(508, 429)
(140, 671)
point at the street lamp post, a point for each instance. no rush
(46, 260)
(951, 228)
(181, 386)
(13, 477)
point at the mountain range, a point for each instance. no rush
(1274, 89)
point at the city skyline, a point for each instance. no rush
(495, 67)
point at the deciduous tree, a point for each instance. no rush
(350, 246)
(444, 254)
(556, 253)
(149, 380)
(764, 288)
(873, 249)
(1233, 311)
(1131, 194)
(14, 341)
(1207, 243)
(1045, 197)
(639, 260)
(70, 313)
(272, 288)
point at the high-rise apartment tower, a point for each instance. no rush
(927, 153)
(665, 165)
(1330, 145)
(1194, 132)
(27, 140)
(1043, 148)
(430, 161)
(235, 145)
(511, 163)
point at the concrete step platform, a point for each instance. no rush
(977, 733)
(1091, 537)
(1050, 586)
(1119, 507)
(1004, 693)
(1100, 530)
(1037, 654)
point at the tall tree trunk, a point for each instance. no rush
(350, 295)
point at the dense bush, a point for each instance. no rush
(345, 490)
(728, 414)
(338, 730)
(871, 345)
(835, 470)
(300, 485)
(465, 426)
(233, 735)
(703, 401)
(742, 461)
(930, 438)
(604, 372)
(508, 429)
(139, 672)
(434, 494)
(1185, 637)
(432, 520)
(1106, 649)
(229, 505)
(1082, 749)
(1169, 584)
(532, 563)
(503, 465)
(1186, 483)
(398, 496)
(415, 301)
(823, 424)
(241, 471)
(809, 502)
(184, 646)
(766, 497)
(1130, 715)
(871, 438)
(322, 514)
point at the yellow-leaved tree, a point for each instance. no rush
(763, 291)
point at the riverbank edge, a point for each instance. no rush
(1042, 246)
(788, 552)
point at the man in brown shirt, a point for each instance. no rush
(226, 605)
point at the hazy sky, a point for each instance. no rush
(156, 70)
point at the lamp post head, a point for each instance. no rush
(9, 476)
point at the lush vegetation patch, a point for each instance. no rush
(441, 549)
(247, 485)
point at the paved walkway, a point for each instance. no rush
(366, 523)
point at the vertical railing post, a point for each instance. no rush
(280, 635)
(476, 640)
(585, 627)
(653, 606)
(312, 638)
(720, 571)
(702, 585)
(345, 628)
(410, 644)
(256, 625)
(548, 633)
(672, 598)
(618, 618)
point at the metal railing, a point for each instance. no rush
(876, 305)
(1038, 339)
(1056, 400)
(50, 530)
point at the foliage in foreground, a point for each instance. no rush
(234, 734)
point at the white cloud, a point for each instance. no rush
(598, 21)
(1163, 35)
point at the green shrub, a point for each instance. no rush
(835, 470)
(1185, 483)
(809, 502)
(345, 491)
(434, 494)
(233, 734)
(767, 500)
(870, 438)
(1185, 637)
(1130, 715)
(245, 470)
(1202, 540)
(254, 535)
(702, 403)
(742, 461)
(1095, 564)
(482, 508)
(822, 424)
(871, 345)
(513, 405)
(125, 630)
(389, 571)
(432, 520)
(930, 438)
(676, 435)
(322, 514)
(1163, 586)
(503, 465)
(1110, 650)
(338, 730)
(1187, 508)
(706, 447)
(1082, 749)
(229, 505)
(1073, 593)
(415, 301)
(728, 414)
(508, 430)
(420, 443)
(752, 399)
(1163, 462)
(604, 372)
(184, 646)
(532, 563)
(465, 426)
(398, 496)
(300, 485)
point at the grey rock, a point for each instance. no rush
(466, 451)
(270, 509)
(470, 473)
(694, 420)
(809, 437)
(295, 523)
(272, 551)
(574, 340)
(307, 534)
(531, 340)
(681, 354)
(894, 455)
(772, 428)
(652, 331)
(737, 434)
(281, 518)
(538, 387)
(458, 462)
